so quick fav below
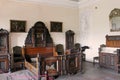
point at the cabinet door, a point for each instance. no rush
(108, 60)
(113, 61)
(103, 60)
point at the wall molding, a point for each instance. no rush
(68, 3)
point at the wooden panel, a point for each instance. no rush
(73, 63)
(108, 60)
(43, 51)
(5, 65)
(4, 50)
(113, 41)
(32, 68)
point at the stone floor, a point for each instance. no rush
(92, 73)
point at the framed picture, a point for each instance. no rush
(56, 26)
(17, 26)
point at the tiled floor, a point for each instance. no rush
(92, 73)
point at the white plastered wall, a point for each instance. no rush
(33, 12)
(95, 25)
(91, 23)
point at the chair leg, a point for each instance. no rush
(118, 68)
(23, 65)
(93, 61)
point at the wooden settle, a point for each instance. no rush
(108, 59)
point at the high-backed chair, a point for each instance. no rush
(74, 59)
(59, 49)
(77, 46)
(18, 60)
(81, 49)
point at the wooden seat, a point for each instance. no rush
(95, 59)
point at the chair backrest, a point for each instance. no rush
(17, 51)
(77, 46)
(59, 49)
(17, 54)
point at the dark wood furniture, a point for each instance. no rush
(118, 64)
(38, 36)
(45, 62)
(4, 50)
(73, 54)
(37, 66)
(107, 59)
(18, 59)
(54, 65)
(73, 63)
(4, 63)
(59, 49)
(69, 39)
(39, 42)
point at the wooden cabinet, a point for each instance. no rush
(4, 50)
(108, 60)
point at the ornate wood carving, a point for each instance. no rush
(4, 50)
(69, 39)
(73, 63)
(38, 36)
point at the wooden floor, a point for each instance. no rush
(92, 73)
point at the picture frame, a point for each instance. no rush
(56, 26)
(17, 26)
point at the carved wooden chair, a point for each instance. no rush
(59, 49)
(18, 60)
(77, 47)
